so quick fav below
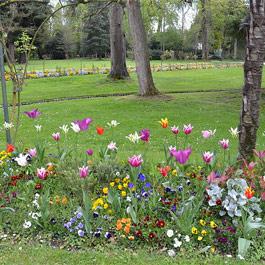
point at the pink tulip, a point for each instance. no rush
(224, 143)
(182, 156)
(32, 152)
(207, 157)
(208, 133)
(42, 173)
(83, 172)
(259, 154)
(56, 136)
(175, 129)
(135, 161)
(187, 129)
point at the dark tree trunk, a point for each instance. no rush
(141, 53)
(205, 30)
(255, 51)
(117, 43)
(235, 49)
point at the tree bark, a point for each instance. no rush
(255, 51)
(141, 53)
(117, 43)
(205, 30)
(235, 49)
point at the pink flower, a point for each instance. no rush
(83, 172)
(135, 161)
(182, 156)
(33, 114)
(42, 173)
(215, 177)
(175, 129)
(56, 136)
(187, 129)
(145, 135)
(208, 133)
(89, 152)
(32, 152)
(83, 124)
(112, 146)
(263, 196)
(224, 143)
(259, 154)
(207, 157)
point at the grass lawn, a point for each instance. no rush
(49, 256)
(89, 63)
(176, 81)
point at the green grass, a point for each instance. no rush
(186, 80)
(89, 63)
(47, 256)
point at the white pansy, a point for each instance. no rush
(38, 128)
(171, 253)
(27, 224)
(22, 160)
(133, 137)
(170, 233)
(187, 238)
(8, 126)
(128, 199)
(113, 124)
(177, 243)
(64, 128)
(75, 127)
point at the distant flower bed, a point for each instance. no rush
(88, 198)
(105, 70)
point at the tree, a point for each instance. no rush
(141, 53)
(205, 29)
(117, 43)
(255, 52)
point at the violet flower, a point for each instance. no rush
(182, 156)
(33, 114)
(145, 135)
(83, 124)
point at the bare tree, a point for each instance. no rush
(255, 51)
(141, 53)
(117, 43)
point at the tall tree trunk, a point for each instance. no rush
(117, 43)
(235, 49)
(255, 51)
(141, 53)
(205, 30)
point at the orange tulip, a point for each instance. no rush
(249, 192)
(164, 123)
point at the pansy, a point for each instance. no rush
(22, 160)
(177, 243)
(27, 224)
(170, 233)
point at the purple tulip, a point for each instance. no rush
(89, 152)
(83, 172)
(181, 156)
(83, 124)
(145, 135)
(33, 114)
(135, 161)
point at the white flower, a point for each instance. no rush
(37, 195)
(113, 124)
(177, 243)
(118, 174)
(134, 138)
(234, 132)
(112, 146)
(64, 128)
(38, 128)
(187, 238)
(75, 127)
(170, 233)
(36, 204)
(8, 126)
(27, 224)
(128, 199)
(171, 253)
(22, 160)
(36, 216)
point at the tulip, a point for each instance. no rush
(134, 138)
(10, 148)
(207, 157)
(208, 133)
(249, 192)
(32, 152)
(83, 124)
(259, 154)
(33, 114)
(224, 143)
(42, 173)
(175, 130)
(56, 136)
(83, 172)
(234, 132)
(181, 156)
(145, 135)
(187, 129)
(75, 127)
(164, 123)
(135, 161)
(112, 146)
(100, 130)
(89, 152)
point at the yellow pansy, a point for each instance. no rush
(202, 222)
(105, 190)
(112, 184)
(105, 206)
(123, 193)
(194, 230)
(120, 187)
(200, 238)
(213, 224)
(204, 232)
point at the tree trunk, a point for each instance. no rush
(117, 43)
(235, 49)
(255, 51)
(205, 30)
(141, 53)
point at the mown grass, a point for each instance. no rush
(46, 256)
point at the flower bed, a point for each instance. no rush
(74, 200)
(105, 70)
